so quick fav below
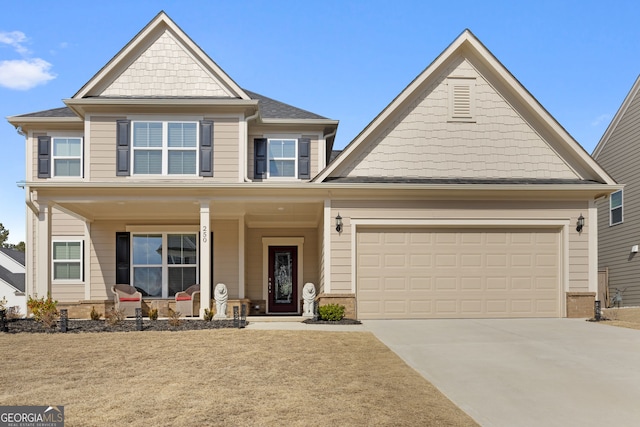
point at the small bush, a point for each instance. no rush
(208, 315)
(332, 312)
(14, 313)
(94, 314)
(174, 318)
(115, 317)
(44, 310)
(153, 314)
(3, 303)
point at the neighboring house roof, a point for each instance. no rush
(17, 256)
(394, 144)
(14, 279)
(269, 109)
(628, 100)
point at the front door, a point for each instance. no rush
(283, 279)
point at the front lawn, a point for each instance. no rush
(225, 377)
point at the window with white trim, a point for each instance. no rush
(283, 158)
(164, 263)
(615, 208)
(165, 148)
(67, 157)
(67, 260)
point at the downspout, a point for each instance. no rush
(246, 132)
(327, 156)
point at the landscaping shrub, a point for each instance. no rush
(174, 318)
(44, 310)
(153, 314)
(115, 316)
(208, 315)
(332, 312)
(94, 314)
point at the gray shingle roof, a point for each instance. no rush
(14, 279)
(18, 256)
(272, 109)
(269, 109)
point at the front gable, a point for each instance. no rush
(161, 61)
(465, 117)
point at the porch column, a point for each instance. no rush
(205, 256)
(41, 285)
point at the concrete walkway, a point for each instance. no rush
(525, 372)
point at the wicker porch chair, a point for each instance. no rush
(185, 300)
(127, 299)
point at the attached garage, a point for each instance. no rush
(413, 273)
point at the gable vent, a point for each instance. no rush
(461, 99)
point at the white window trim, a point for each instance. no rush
(81, 260)
(621, 207)
(296, 139)
(63, 135)
(144, 230)
(165, 149)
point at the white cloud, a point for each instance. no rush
(603, 118)
(16, 40)
(24, 74)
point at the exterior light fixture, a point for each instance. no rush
(580, 223)
(339, 223)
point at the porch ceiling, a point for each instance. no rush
(256, 214)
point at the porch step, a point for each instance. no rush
(289, 319)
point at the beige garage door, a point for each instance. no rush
(457, 273)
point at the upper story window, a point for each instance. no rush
(165, 148)
(67, 157)
(59, 156)
(282, 157)
(615, 208)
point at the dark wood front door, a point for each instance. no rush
(283, 279)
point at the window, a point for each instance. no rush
(165, 148)
(67, 157)
(164, 263)
(282, 158)
(67, 260)
(615, 208)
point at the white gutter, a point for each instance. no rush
(246, 141)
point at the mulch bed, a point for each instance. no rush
(82, 326)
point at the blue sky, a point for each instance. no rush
(345, 60)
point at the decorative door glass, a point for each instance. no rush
(283, 277)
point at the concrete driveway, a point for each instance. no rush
(525, 372)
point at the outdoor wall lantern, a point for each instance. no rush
(580, 223)
(339, 223)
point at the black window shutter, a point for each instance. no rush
(44, 157)
(304, 158)
(123, 272)
(123, 140)
(206, 148)
(260, 158)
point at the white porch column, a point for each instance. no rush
(328, 224)
(42, 275)
(593, 247)
(241, 255)
(205, 256)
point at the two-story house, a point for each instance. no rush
(462, 198)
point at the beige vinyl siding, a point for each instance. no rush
(67, 293)
(103, 149)
(103, 253)
(620, 158)
(225, 255)
(225, 149)
(254, 282)
(420, 141)
(341, 244)
(63, 224)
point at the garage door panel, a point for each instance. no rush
(446, 273)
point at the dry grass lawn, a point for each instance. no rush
(224, 377)
(624, 317)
